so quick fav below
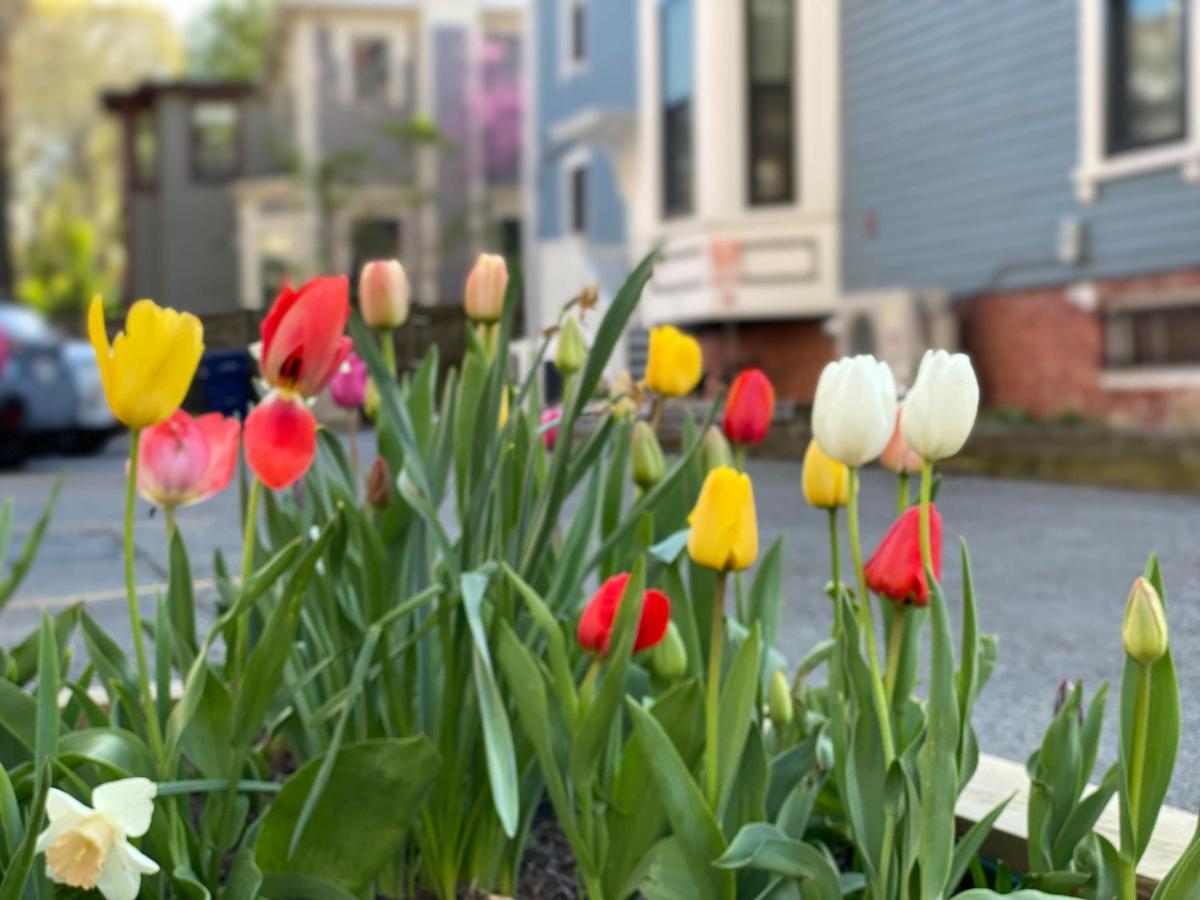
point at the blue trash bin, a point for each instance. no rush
(225, 381)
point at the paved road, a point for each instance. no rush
(1052, 567)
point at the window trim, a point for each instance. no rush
(666, 210)
(239, 163)
(1096, 165)
(792, 193)
(570, 65)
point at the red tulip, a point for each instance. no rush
(895, 570)
(749, 407)
(281, 441)
(302, 339)
(596, 623)
(184, 460)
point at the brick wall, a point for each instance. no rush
(791, 353)
(1040, 352)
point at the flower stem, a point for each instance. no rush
(135, 613)
(867, 622)
(1137, 765)
(240, 639)
(901, 493)
(835, 559)
(926, 493)
(656, 411)
(388, 346)
(713, 695)
(352, 439)
(896, 626)
(169, 520)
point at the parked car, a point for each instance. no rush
(38, 397)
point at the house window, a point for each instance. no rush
(1166, 336)
(370, 69)
(1147, 73)
(676, 77)
(770, 120)
(577, 31)
(374, 238)
(577, 198)
(216, 155)
(145, 150)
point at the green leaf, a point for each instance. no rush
(1183, 881)
(970, 843)
(48, 720)
(374, 793)
(692, 822)
(497, 733)
(20, 568)
(766, 595)
(181, 601)
(118, 751)
(764, 846)
(984, 894)
(736, 711)
(300, 887)
(18, 870)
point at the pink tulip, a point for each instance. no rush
(349, 385)
(550, 420)
(897, 456)
(184, 460)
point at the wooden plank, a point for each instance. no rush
(997, 778)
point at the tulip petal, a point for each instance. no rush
(221, 436)
(303, 343)
(656, 615)
(129, 803)
(280, 438)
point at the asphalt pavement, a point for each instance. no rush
(1052, 565)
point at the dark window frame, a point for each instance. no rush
(1116, 140)
(1165, 336)
(142, 180)
(783, 92)
(199, 174)
(577, 42)
(578, 189)
(678, 138)
(356, 81)
(390, 248)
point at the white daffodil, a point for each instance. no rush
(89, 848)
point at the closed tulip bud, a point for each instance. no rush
(715, 450)
(371, 400)
(379, 484)
(648, 463)
(940, 409)
(600, 614)
(897, 456)
(826, 482)
(674, 364)
(854, 410)
(383, 293)
(895, 569)
(1065, 688)
(779, 699)
(749, 408)
(670, 658)
(724, 534)
(484, 300)
(572, 349)
(1144, 630)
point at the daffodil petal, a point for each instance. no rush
(129, 803)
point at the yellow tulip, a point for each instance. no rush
(149, 367)
(724, 527)
(826, 481)
(673, 366)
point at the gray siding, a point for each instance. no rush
(451, 109)
(960, 133)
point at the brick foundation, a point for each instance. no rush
(1039, 352)
(791, 353)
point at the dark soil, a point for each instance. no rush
(548, 869)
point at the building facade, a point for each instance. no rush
(383, 128)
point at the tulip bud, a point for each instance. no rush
(484, 299)
(1065, 688)
(1144, 630)
(371, 400)
(779, 699)
(724, 535)
(824, 480)
(674, 363)
(648, 463)
(896, 456)
(669, 657)
(749, 407)
(379, 484)
(572, 350)
(383, 293)
(715, 450)
(940, 409)
(854, 410)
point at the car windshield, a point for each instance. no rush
(23, 324)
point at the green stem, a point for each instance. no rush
(588, 686)
(656, 411)
(835, 559)
(713, 695)
(885, 857)
(131, 596)
(1137, 765)
(352, 439)
(901, 493)
(739, 456)
(169, 520)
(926, 493)
(388, 346)
(240, 638)
(867, 622)
(896, 623)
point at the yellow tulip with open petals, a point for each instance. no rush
(724, 526)
(149, 366)
(673, 366)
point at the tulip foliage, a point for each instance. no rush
(521, 611)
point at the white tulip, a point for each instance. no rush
(855, 409)
(89, 848)
(939, 411)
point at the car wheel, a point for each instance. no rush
(12, 445)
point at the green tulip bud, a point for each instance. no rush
(779, 699)
(715, 450)
(379, 484)
(1144, 630)
(669, 656)
(572, 350)
(371, 400)
(648, 463)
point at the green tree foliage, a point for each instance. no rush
(230, 42)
